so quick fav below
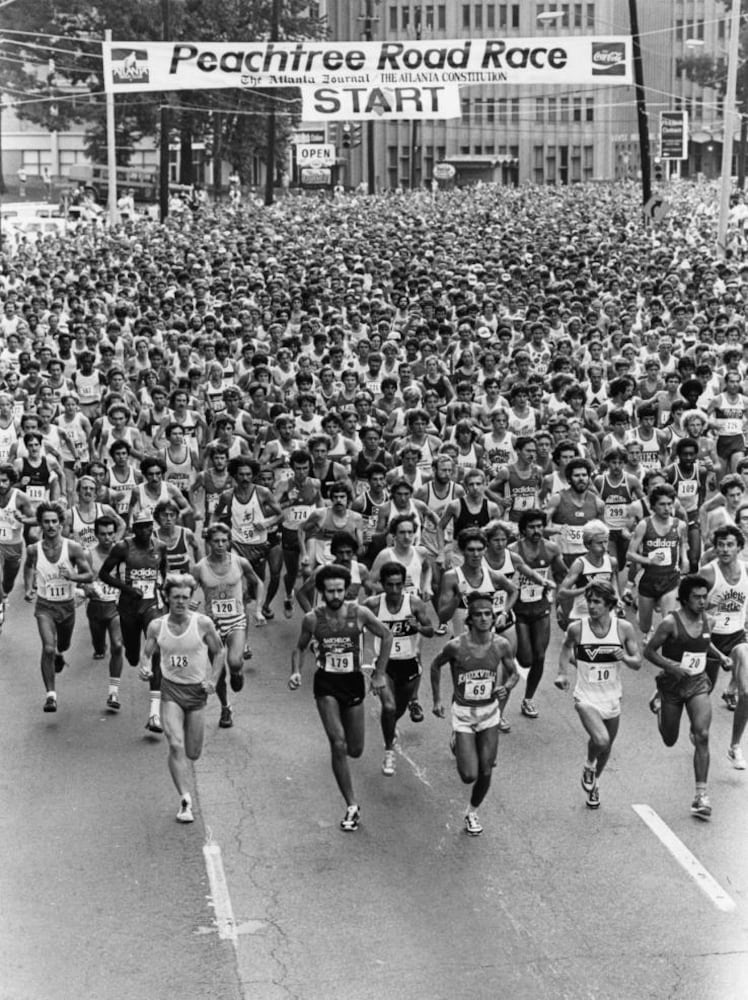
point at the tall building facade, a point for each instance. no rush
(545, 135)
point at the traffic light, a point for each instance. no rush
(356, 135)
(332, 134)
(658, 169)
(347, 131)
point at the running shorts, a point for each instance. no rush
(655, 586)
(102, 611)
(605, 709)
(680, 690)
(727, 643)
(729, 444)
(403, 671)
(189, 697)
(60, 612)
(347, 689)
(475, 718)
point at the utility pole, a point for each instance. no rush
(163, 160)
(371, 177)
(641, 104)
(729, 129)
(415, 122)
(270, 161)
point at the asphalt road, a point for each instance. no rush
(103, 895)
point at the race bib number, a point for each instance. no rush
(572, 533)
(662, 557)
(499, 602)
(179, 480)
(250, 532)
(59, 590)
(599, 675)
(87, 391)
(615, 515)
(732, 426)
(146, 588)
(693, 663)
(211, 502)
(727, 622)
(6, 532)
(403, 648)
(478, 690)
(299, 514)
(178, 661)
(36, 493)
(523, 501)
(225, 607)
(687, 488)
(104, 592)
(339, 663)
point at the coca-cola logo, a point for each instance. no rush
(608, 59)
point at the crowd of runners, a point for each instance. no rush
(482, 416)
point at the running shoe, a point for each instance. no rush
(50, 703)
(227, 717)
(730, 699)
(59, 663)
(247, 654)
(593, 797)
(655, 703)
(350, 821)
(288, 608)
(504, 726)
(154, 724)
(701, 807)
(112, 703)
(99, 656)
(628, 597)
(472, 825)
(185, 812)
(236, 680)
(735, 754)
(528, 708)
(416, 712)
(440, 630)
(268, 614)
(388, 764)
(589, 777)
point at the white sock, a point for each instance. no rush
(187, 799)
(155, 708)
(52, 694)
(113, 686)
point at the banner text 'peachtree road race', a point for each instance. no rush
(165, 66)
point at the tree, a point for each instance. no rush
(70, 91)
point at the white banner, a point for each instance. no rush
(163, 66)
(321, 104)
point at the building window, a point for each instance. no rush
(563, 164)
(392, 156)
(392, 178)
(478, 17)
(466, 15)
(698, 109)
(589, 109)
(441, 17)
(501, 107)
(393, 19)
(490, 111)
(515, 111)
(589, 161)
(478, 111)
(539, 104)
(721, 33)
(537, 164)
(406, 18)
(698, 28)
(490, 16)
(441, 152)
(465, 105)
(551, 110)
(515, 15)
(577, 116)
(503, 15)
(578, 9)
(576, 164)
(489, 150)
(564, 15)
(590, 15)
(550, 167)
(513, 152)
(680, 33)
(477, 150)
(428, 14)
(464, 150)
(564, 113)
